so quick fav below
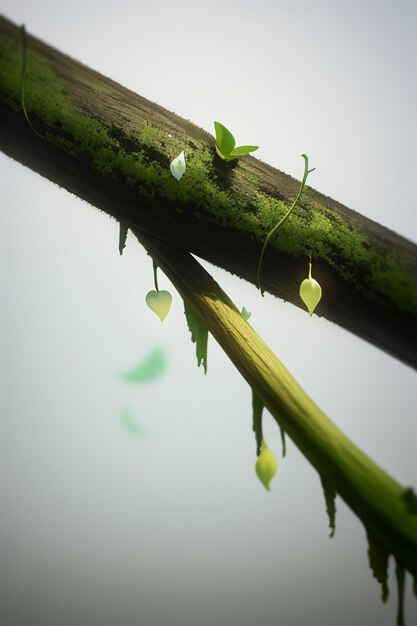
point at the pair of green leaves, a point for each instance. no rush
(225, 144)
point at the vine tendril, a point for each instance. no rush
(282, 220)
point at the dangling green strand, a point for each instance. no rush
(283, 219)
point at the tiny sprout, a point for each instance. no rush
(245, 313)
(225, 144)
(159, 302)
(266, 466)
(310, 292)
(177, 166)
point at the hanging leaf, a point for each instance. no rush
(150, 368)
(266, 466)
(257, 410)
(400, 576)
(330, 498)
(199, 335)
(159, 302)
(122, 236)
(178, 166)
(378, 562)
(310, 292)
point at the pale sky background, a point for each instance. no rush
(101, 526)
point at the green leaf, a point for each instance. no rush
(257, 410)
(245, 313)
(410, 500)
(330, 497)
(242, 150)
(150, 368)
(199, 335)
(224, 139)
(378, 562)
(266, 466)
(122, 236)
(130, 424)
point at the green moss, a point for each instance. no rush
(211, 190)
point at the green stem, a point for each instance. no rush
(155, 276)
(282, 220)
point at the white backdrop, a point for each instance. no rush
(100, 525)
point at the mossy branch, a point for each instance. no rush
(376, 498)
(113, 148)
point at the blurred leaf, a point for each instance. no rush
(150, 368)
(122, 236)
(242, 150)
(378, 562)
(224, 139)
(410, 500)
(199, 335)
(257, 410)
(330, 497)
(130, 424)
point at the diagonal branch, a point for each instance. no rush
(113, 148)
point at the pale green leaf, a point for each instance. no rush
(150, 368)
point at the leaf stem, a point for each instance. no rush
(155, 276)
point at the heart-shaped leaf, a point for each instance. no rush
(159, 302)
(224, 139)
(310, 292)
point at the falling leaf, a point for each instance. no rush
(257, 410)
(245, 313)
(150, 368)
(159, 302)
(310, 292)
(130, 424)
(122, 236)
(266, 466)
(199, 334)
(330, 498)
(378, 562)
(177, 166)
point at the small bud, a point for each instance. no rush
(310, 292)
(177, 166)
(266, 466)
(159, 302)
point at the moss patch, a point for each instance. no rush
(228, 196)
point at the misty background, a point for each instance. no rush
(127, 504)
